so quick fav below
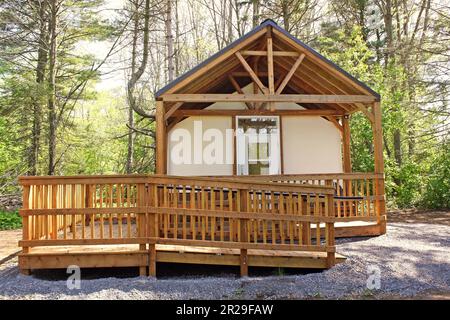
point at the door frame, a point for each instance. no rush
(235, 126)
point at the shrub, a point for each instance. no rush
(10, 220)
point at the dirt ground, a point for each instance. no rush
(441, 217)
(421, 271)
(9, 244)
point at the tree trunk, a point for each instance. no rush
(52, 87)
(286, 15)
(169, 40)
(397, 147)
(33, 156)
(177, 38)
(387, 16)
(230, 22)
(135, 76)
(131, 101)
(255, 13)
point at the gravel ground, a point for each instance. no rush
(413, 258)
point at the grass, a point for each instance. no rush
(279, 272)
(10, 220)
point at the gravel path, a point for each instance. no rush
(413, 259)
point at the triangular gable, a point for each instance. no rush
(331, 71)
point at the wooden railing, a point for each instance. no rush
(356, 195)
(150, 210)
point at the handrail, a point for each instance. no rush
(357, 194)
(240, 183)
(306, 176)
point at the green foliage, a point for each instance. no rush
(10, 220)
(437, 190)
(422, 178)
(93, 143)
(92, 133)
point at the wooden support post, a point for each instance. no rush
(152, 259)
(54, 232)
(87, 204)
(152, 229)
(347, 162)
(142, 222)
(244, 234)
(329, 229)
(25, 219)
(244, 263)
(25, 226)
(379, 166)
(160, 139)
(331, 255)
(270, 77)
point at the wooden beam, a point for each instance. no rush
(224, 112)
(174, 108)
(255, 87)
(275, 53)
(347, 162)
(366, 112)
(379, 162)
(238, 89)
(290, 74)
(271, 77)
(243, 74)
(335, 123)
(295, 98)
(160, 138)
(250, 72)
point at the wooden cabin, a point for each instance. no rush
(253, 168)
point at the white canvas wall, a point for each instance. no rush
(310, 144)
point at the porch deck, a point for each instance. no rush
(112, 221)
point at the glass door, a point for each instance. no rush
(257, 145)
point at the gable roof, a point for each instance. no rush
(330, 70)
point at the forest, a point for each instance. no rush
(78, 78)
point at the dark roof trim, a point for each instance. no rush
(266, 23)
